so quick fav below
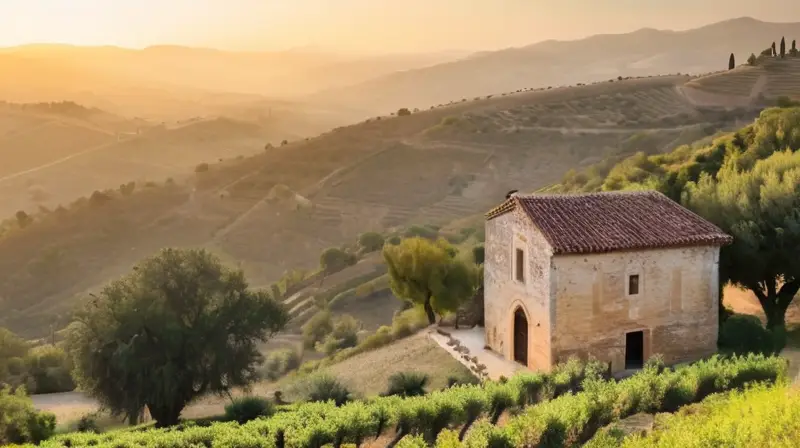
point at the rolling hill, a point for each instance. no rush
(644, 52)
(54, 153)
(173, 80)
(433, 166)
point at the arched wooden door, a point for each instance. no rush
(520, 337)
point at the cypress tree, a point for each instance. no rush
(774, 53)
(731, 62)
(794, 45)
(783, 47)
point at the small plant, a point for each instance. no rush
(244, 409)
(407, 384)
(324, 387)
(88, 423)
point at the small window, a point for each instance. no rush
(520, 266)
(633, 285)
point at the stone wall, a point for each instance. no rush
(503, 294)
(676, 307)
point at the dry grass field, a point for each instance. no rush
(432, 166)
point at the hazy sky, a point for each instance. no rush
(358, 25)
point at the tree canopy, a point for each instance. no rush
(760, 207)
(429, 274)
(178, 327)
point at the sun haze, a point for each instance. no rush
(355, 25)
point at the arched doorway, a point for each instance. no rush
(520, 336)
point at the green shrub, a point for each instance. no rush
(315, 330)
(412, 441)
(279, 362)
(394, 240)
(343, 335)
(334, 260)
(427, 232)
(49, 368)
(244, 409)
(407, 384)
(478, 254)
(370, 241)
(19, 420)
(88, 423)
(743, 333)
(324, 387)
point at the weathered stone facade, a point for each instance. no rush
(578, 304)
(503, 294)
(676, 307)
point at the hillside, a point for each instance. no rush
(771, 78)
(54, 153)
(176, 78)
(553, 63)
(428, 167)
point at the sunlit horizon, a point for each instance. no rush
(353, 26)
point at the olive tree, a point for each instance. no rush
(759, 206)
(179, 326)
(429, 274)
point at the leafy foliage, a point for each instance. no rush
(425, 419)
(743, 333)
(180, 326)
(407, 384)
(760, 416)
(20, 422)
(573, 419)
(478, 254)
(343, 335)
(323, 387)
(279, 362)
(370, 241)
(41, 369)
(334, 259)
(244, 409)
(428, 274)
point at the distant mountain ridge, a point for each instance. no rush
(643, 52)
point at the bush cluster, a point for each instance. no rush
(20, 422)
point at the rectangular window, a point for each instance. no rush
(520, 266)
(633, 285)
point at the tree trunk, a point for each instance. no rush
(776, 301)
(401, 432)
(165, 415)
(429, 311)
(467, 425)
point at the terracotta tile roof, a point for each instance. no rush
(604, 222)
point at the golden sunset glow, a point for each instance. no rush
(354, 25)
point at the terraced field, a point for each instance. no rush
(784, 78)
(737, 82)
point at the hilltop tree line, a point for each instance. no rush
(770, 51)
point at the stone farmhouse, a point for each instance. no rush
(618, 276)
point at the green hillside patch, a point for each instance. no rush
(761, 416)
